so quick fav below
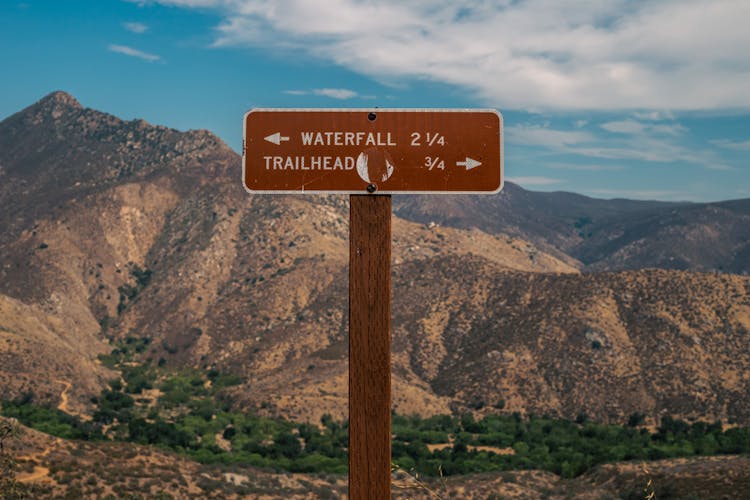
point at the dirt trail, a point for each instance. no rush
(39, 471)
(65, 402)
(63, 406)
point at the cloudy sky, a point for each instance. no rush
(609, 98)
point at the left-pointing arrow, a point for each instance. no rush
(276, 138)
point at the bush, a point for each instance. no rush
(286, 444)
(636, 419)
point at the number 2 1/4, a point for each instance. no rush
(431, 138)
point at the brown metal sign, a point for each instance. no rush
(373, 150)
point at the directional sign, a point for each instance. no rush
(373, 150)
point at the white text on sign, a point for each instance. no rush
(309, 163)
(347, 139)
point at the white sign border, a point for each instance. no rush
(374, 110)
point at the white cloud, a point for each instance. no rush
(129, 51)
(534, 181)
(336, 93)
(645, 146)
(635, 127)
(654, 115)
(137, 28)
(668, 129)
(734, 145)
(533, 54)
(530, 135)
(332, 93)
(624, 127)
(719, 166)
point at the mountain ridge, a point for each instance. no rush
(160, 241)
(56, 150)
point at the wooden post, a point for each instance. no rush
(370, 347)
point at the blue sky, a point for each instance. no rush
(608, 98)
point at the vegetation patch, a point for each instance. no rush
(188, 411)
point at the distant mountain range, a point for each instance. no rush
(531, 302)
(604, 235)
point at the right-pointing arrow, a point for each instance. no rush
(469, 163)
(276, 138)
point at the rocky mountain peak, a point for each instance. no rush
(52, 110)
(59, 98)
(52, 107)
(58, 150)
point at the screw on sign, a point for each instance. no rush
(370, 154)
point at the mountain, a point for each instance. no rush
(84, 196)
(56, 151)
(607, 345)
(96, 208)
(115, 230)
(701, 237)
(548, 216)
(603, 235)
(118, 229)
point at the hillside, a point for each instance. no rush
(700, 237)
(117, 233)
(546, 216)
(96, 208)
(150, 234)
(57, 151)
(84, 195)
(606, 345)
(174, 250)
(469, 335)
(57, 468)
(604, 235)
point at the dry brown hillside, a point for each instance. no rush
(605, 344)
(95, 207)
(84, 197)
(470, 335)
(113, 228)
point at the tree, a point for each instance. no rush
(286, 444)
(636, 419)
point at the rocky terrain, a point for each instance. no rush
(225, 271)
(537, 303)
(118, 228)
(606, 345)
(603, 235)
